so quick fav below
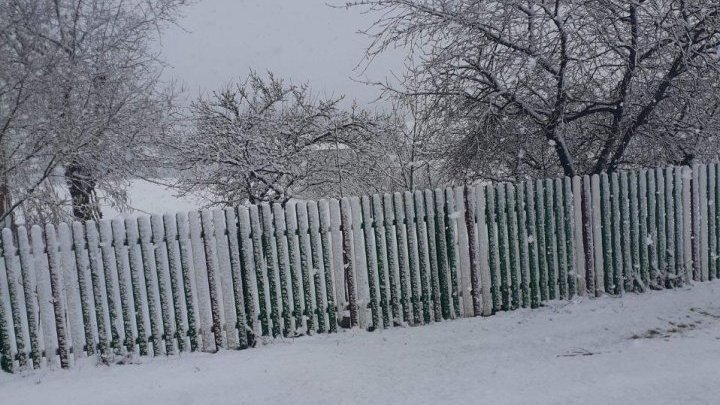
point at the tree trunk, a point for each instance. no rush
(82, 191)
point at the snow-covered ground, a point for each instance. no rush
(656, 348)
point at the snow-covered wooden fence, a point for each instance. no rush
(222, 279)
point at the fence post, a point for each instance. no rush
(469, 209)
(533, 263)
(401, 233)
(162, 274)
(295, 266)
(348, 260)
(224, 281)
(236, 277)
(8, 338)
(121, 248)
(326, 248)
(283, 259)
(58, 300)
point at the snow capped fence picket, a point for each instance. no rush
(226, 279)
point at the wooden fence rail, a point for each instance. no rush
(223, 279)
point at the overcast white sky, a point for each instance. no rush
(302, 40)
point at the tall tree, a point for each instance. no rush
(86, 103)
(569, 86)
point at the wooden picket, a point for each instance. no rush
(219, 279)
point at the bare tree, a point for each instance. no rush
(83, 102)
(571, 86)
(266, 140)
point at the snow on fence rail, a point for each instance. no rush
(221, 279)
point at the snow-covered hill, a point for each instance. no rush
(656, 348)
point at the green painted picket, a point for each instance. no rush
(223, 279)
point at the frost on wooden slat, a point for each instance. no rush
(27, 303)
(483, 251)
(714, 196)
(295, 269)
(223, 281)
(137, 280)
(177, 287)
(461, 235)
(318, 269)
(260, 268)
(326, 247)
(667, 238)
(283, 259)
(503, 251)
(711, 222)
(463, 247)
(87, 301)
(704, 258)
(97, 279)
(551, 239)
(541, 233)
(513, 250)
(382, 259)
(361, 270)
(522, 233)
(561, 239)
(236, 275)
(532, 242)
(652, 239)
(569, 224)
(307, 265)
(164, 287)
(468, 199)
(661, 223)
(493, 253)
(70, 281)
(250, 286)
(669, 190)
(207, 338)
(23, 325)
(9, 335)
(337, 258)
(433, 255)
(271, 260)
(681, 232)
(401, 233)
(616, 235)
(606, 226)
(122, 263)
(152, 295)
(625, 236)
(599, 202)
(318, 273)
(413, 259)
(58, 297)
(445, 279)
(643, 227)
(24, 318)
(424, 256)
(213, 293)
(41, 281)
(187, 275)
(372, 268)
(695, 215)
(459, 281)
(392, 260)
(107, 253)
(580, 250)
(634, 231)
(349, 261)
